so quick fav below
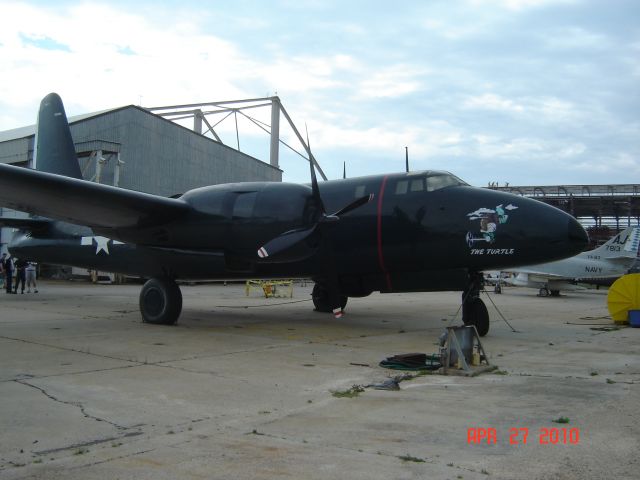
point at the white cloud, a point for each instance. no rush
(571, 37)
(541, 110)
(517, 5)
(113, 60)
(491, 101)
(303, 73)
(391, 82)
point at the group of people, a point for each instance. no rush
(20, 271)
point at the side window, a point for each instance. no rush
(417, 185)
(402, 187)
(360, 191)
(243, 206)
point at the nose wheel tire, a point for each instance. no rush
(474, 312)
(160, 301)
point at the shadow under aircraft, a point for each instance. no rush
(399, 232)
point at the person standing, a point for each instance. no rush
(8, 271)
(20, 267)
(31, 277)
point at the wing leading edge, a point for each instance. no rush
(82, 202)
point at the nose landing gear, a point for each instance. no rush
(474, 311)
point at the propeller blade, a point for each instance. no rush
(314, 180)
(284, 241)
(355, 204)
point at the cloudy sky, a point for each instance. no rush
(519, 91)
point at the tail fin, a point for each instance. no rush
(54, 150)
(624, 244)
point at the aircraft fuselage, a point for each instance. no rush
(415, 235)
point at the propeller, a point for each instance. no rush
(291, 238)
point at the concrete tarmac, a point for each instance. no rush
(242, 388)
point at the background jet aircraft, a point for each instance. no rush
(607, 262)
(388, 233)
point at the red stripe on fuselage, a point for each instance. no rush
(380, 254)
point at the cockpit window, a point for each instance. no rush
(442, 180)
(426, 181)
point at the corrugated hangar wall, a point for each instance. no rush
(164, 158)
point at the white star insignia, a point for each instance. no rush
(102, 243)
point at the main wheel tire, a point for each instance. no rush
(474, 312)
(320, 297)
(160, 301)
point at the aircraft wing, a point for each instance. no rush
(532, 272)
(31, 224)
(83, 202)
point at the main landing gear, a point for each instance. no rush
(160, 301)
(321, 299)
(474, 311)
(546, 292)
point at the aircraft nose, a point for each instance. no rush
(578, 238)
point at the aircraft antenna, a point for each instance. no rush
(406, 158)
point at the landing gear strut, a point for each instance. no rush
(321, 301)
(474, 311)
(160, 301)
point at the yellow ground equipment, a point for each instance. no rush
(271, 288)
(624, 296)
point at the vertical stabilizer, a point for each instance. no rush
(54, 151)
(624, 244)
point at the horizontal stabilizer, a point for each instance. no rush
(83, 202)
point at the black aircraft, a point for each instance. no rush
(403, 232)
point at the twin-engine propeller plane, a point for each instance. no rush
(405, 232)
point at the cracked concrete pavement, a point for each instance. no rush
(242, 388)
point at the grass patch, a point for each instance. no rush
(352, 392)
